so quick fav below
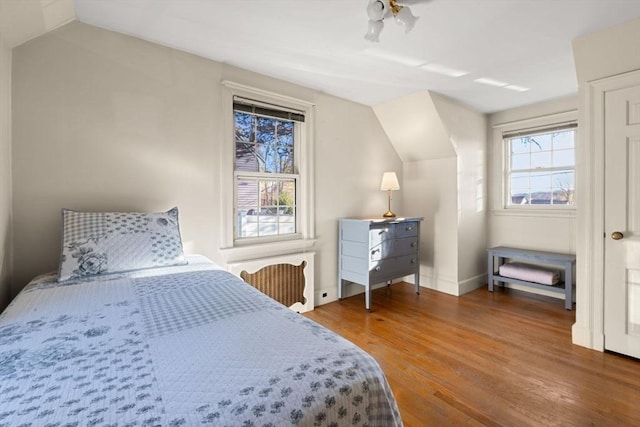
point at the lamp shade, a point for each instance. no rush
(406, 19)
(389, 181)
(375, 28)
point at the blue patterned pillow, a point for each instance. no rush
(112, 242)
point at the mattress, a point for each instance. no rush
(172, 346)
(530, 273)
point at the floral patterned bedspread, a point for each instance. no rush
(178, 346)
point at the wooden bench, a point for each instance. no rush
(567, 261)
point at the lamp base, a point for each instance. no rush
(388, 214)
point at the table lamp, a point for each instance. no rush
(389, 183)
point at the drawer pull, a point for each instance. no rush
(373, 252)
(377, 268)
(413, 261)
(409, 228)
(384, 230)
(413, 244)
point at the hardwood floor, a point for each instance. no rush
(493, 359)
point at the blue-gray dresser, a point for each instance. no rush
(377, 250)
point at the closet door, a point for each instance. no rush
(622, 221)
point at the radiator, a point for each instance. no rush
(289, 279)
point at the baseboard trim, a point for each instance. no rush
(472, 283)
(586, 338)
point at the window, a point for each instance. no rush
(265, 169)
(540, 167)
(266, 187)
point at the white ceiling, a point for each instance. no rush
(320, 44)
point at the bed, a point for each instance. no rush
(186, 344)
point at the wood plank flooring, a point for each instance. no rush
(493, 359)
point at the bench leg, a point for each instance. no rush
(568, 285)
(490, 272)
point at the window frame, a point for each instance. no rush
(298, 130)
(246, 248)
(500, 158)
(507, 137)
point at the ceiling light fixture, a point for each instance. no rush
(377, 10)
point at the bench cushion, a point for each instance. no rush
(530, 273)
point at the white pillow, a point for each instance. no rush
(112, 242)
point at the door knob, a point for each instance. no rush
(616, 235)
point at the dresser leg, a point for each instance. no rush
(367, 297)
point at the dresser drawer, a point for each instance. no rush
(406, 229)
(390, 268)
(394, 248)
(405, 246)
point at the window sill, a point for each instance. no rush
(267, 249)
(536, 213)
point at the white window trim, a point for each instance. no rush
(304, 239)
(499, 161)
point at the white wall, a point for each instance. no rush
(554, 232)
(5, 173)
(430, 190)
(467, 129)
(447, 187)
(349, 159)
(103, 121)
(599, 55)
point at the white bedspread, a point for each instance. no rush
(190, 345)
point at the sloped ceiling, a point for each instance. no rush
(23, 20)
(519, 44)
(522, 46)
(414, 127)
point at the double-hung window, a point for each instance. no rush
(540, 167)
(266, 171)
(266, 188)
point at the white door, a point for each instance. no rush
(622, 221)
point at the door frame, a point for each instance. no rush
(588, 331)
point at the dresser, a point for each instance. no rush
(377, 250)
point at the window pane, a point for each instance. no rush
(287, 224)
(562, 140)
(519, 181)
(519, 198)
(268, 193)
(539, 142)
(283, 160)
(540, 180)
(520, 161)
(265, 205)
(266, 130)
(263, 157)
(245, 127)
(285, 133)
(246, 157)
(564, 158)
(541, 160)
(519, 146)
(247, 208)
(540, 196)
(563, 179)
(562, 196)
(247, 194)
(542, 169)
